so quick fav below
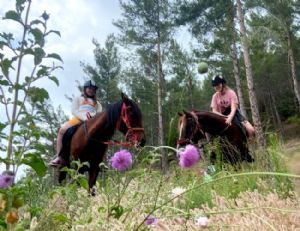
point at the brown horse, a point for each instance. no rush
(195, 125)
(91, 138)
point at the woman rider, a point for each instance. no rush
(225, 101)
(84, 107)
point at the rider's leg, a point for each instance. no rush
(249, 128)
(58, 160)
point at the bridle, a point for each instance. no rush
(197, 128)
(132, 133)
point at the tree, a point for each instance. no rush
(19, 96)
(147, 25)
(216, 31)
(281, 25)
(248, 66)
(107, 71)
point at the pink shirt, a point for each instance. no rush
(221, 102)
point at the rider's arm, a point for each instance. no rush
(99, 107)
(233, 106)
(75, 109)
(232, 111)
(214, 105)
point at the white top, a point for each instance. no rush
(82, 105)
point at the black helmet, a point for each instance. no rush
(217, 80)
(90, 83)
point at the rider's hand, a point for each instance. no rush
(88, 116)
(228, 120)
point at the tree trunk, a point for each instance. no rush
(291, 60)
(235, 62)
(161, 135)
(252, 96)
(236, 73)
(276, 114)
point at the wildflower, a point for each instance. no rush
(2, 204)
(33, 223)
(6, 179)
(150, 220)
(178, 191)
(202, 221)
(121, 160)
(189, 157)
(11, 217)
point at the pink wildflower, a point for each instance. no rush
(6, 179)
(189, 157)
(121, 160)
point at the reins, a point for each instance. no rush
(197, 128)
(131, 132)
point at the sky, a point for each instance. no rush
(79, 21)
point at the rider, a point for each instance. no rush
(84, 107)
(225, 101)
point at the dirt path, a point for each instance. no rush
(293, 159)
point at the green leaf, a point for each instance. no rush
(37, 94)
(60, 218)
(35, 162)
(54, 79)
(37, 21)
(38, 36)
(83, 182)
(4, 82)
(13, 15)
(3, 224)
(55, 56)
(39, 54)
(5, 65)
(117, 211)
(53, 31)
(43, 71)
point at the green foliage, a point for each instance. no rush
(106, 73)
(23, 102)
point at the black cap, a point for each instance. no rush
(217, 80)
(90, 83)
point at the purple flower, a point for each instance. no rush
(189, 156)
(121, 160)
(6, 179)
(150, 220)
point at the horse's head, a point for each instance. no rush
(190, 131)
(130, 123)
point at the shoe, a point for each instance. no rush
(56, 162)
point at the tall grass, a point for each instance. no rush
(124, 200)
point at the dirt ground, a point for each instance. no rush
(292, 158)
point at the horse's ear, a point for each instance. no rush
(124, 97)
(180, 113)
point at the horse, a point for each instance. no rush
(195, 125)
(90, 139)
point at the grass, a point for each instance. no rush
(258, 196)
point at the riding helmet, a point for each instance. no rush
(217, 80)
(90, 83)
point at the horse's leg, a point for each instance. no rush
(93, 174)
(63, 174)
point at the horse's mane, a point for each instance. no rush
(114, 111)
(213, 114)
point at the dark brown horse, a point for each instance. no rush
(195, 125)
(91, 138)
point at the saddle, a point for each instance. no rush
(69, 134)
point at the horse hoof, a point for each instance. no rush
(92, 192)
(249, 158)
